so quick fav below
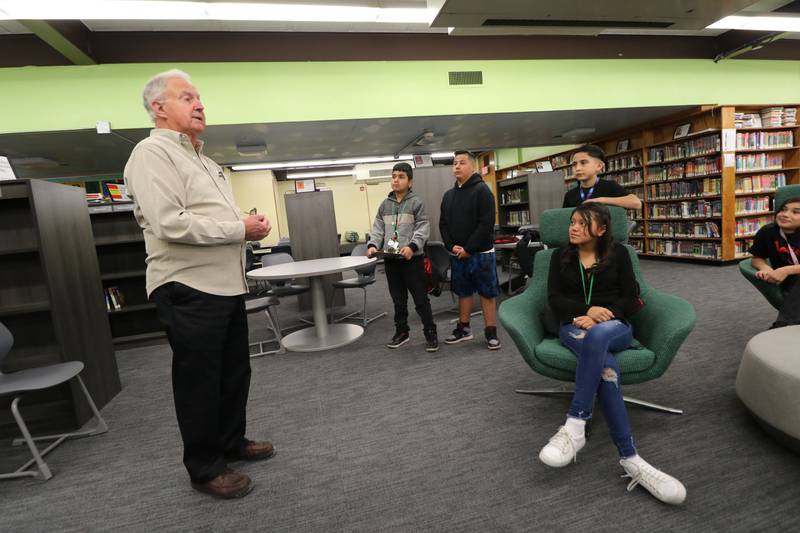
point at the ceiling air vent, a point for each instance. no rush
(466, 77)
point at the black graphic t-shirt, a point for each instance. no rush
(601, 189)
(768, 244)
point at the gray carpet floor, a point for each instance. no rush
(370, 439)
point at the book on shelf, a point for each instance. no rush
(747, 120)
(118, 192)
(685, 189)
(114, 298)
(559, 161)
(681, 149)
(752, 204)
(519, 218)
(765, 161)
(743, 247)
(704, 250)
(94, 192)
(760, 182)
(687, 209)
(760, 140)
(615, 164)
(631, 177)
(746, 227)
(684, 229)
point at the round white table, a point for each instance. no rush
(322, 336)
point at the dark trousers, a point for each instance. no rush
(789, 313)
(210, 373)
(404, 277)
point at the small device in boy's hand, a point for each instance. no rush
(392, 247)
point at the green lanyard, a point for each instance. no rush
(586, 298)
(397, 215)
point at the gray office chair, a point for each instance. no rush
(265, 303)
(365, 277)
(280, 288)
(36, 379)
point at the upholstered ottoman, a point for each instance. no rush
(768, 382)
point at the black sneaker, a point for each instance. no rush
(492, 342)
(399, 339)
(431, 342)
(461, 333)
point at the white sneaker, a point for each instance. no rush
(663, 486)
(562, 449)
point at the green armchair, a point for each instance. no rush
(659, 328)
(771, 292)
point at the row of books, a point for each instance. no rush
(743, 247)
(692, 148)
(623, 162)
(115, 299)
(775, 117)
(631, 177)
(766, 161)
(516, 195)
(764, 139)
(770, 117)
(637, 245)
(683, 189)
(693, 209)
(519, 217)
(689, 169)
(752, 204)
(683, 229)
(105, 191)
(760, 182)
(705, 250)
(750, 225)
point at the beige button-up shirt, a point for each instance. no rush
(193, 230)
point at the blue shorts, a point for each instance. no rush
(477, 273)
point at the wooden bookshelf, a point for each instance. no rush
(50, 300)
(675, 173)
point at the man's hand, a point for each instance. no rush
(372, 251)
(460, 252)
(256, 227)
(600, 314)
(406, 252)
(584, 322)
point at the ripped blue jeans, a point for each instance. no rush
(597, 372)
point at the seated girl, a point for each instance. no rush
(779, 242)
(592, 291)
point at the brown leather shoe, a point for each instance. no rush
(227, 485)
(254, 451)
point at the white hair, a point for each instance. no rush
(155, 87)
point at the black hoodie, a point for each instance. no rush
(467, 217)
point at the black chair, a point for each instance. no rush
(36, 379)
(266, 303)
(365, 277)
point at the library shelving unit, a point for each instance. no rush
(705, 193)
(119, 246)
(512, 201)
(51, 301)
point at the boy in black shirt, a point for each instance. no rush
(779, 242)
(587, 162)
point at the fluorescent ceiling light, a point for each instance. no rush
(318, 174)
(178, 10)
(319, 163)
(761, 23)
(442, 155)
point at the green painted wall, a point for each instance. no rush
(65, 98)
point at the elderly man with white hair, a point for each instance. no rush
(195, 237)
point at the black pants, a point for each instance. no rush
(404, 277)
(210, 373)
(789, 314)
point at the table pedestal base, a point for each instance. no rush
(306, 340)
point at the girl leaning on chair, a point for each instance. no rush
(592, 291)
